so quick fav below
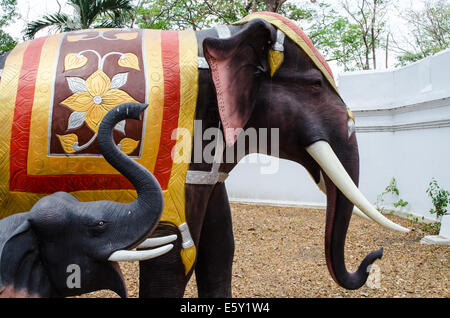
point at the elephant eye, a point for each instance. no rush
(98, 228)
(317, 83)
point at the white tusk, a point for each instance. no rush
(323, 154)
(356, 211)
(360, 213)
(130, 256)
(157, 241)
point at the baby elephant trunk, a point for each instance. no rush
(144, 213)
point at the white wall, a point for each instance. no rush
(403, 131)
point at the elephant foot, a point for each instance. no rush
(164, 276)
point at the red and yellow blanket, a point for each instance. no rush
(54, 92)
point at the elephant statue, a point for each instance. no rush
(60, 235)
(206, 91)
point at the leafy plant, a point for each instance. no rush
(392, 188)
(413, 219)
(432, 228)
(8, 13)
(440, 199)
(88, 14)
(429, 31)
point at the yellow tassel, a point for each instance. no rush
(275, 60)
(350, 114)
(188, 257)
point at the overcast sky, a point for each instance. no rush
(33, 9)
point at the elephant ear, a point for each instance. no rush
(237, 64)
(21, 271)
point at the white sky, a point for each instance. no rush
(33, 9)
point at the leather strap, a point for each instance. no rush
(213, 176)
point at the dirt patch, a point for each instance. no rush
(279, 253)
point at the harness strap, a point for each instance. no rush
(279, 44)
(213, 176)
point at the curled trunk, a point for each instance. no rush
(144, 213)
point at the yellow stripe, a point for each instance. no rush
(8, 91)
(41, 105)
(294, 37)
(155, 93)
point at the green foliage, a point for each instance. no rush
(430, 31)
(196, 14)
(439, 197)
(431, 228)
(8, 11)
(336, 38)
(88, 14)
(370, 17)
(392, 188)
(7, 43)
(414, 219)
(8, 14)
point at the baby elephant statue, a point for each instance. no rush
(63, 247)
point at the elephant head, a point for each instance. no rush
(290, 92)
(42, 248)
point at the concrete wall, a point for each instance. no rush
(403, 131)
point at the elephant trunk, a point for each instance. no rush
(147, 208)
(339, 212)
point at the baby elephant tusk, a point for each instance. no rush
(130, 256)
(157, 241)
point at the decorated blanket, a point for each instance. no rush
(54, 92)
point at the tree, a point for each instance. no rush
(8, 13)
(336, 37)
(88, 14)
(429, 32)
(370, 16)
(196, 14)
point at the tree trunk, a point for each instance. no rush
(372, 33)
(387, 50)
(273, 5)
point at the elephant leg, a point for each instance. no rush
(164, 276)
(213, 269)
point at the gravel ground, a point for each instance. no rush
(280, 253)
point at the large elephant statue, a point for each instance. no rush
(64, 247)
(260, 74)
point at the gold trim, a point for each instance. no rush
(155, 92)
(8, 92)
